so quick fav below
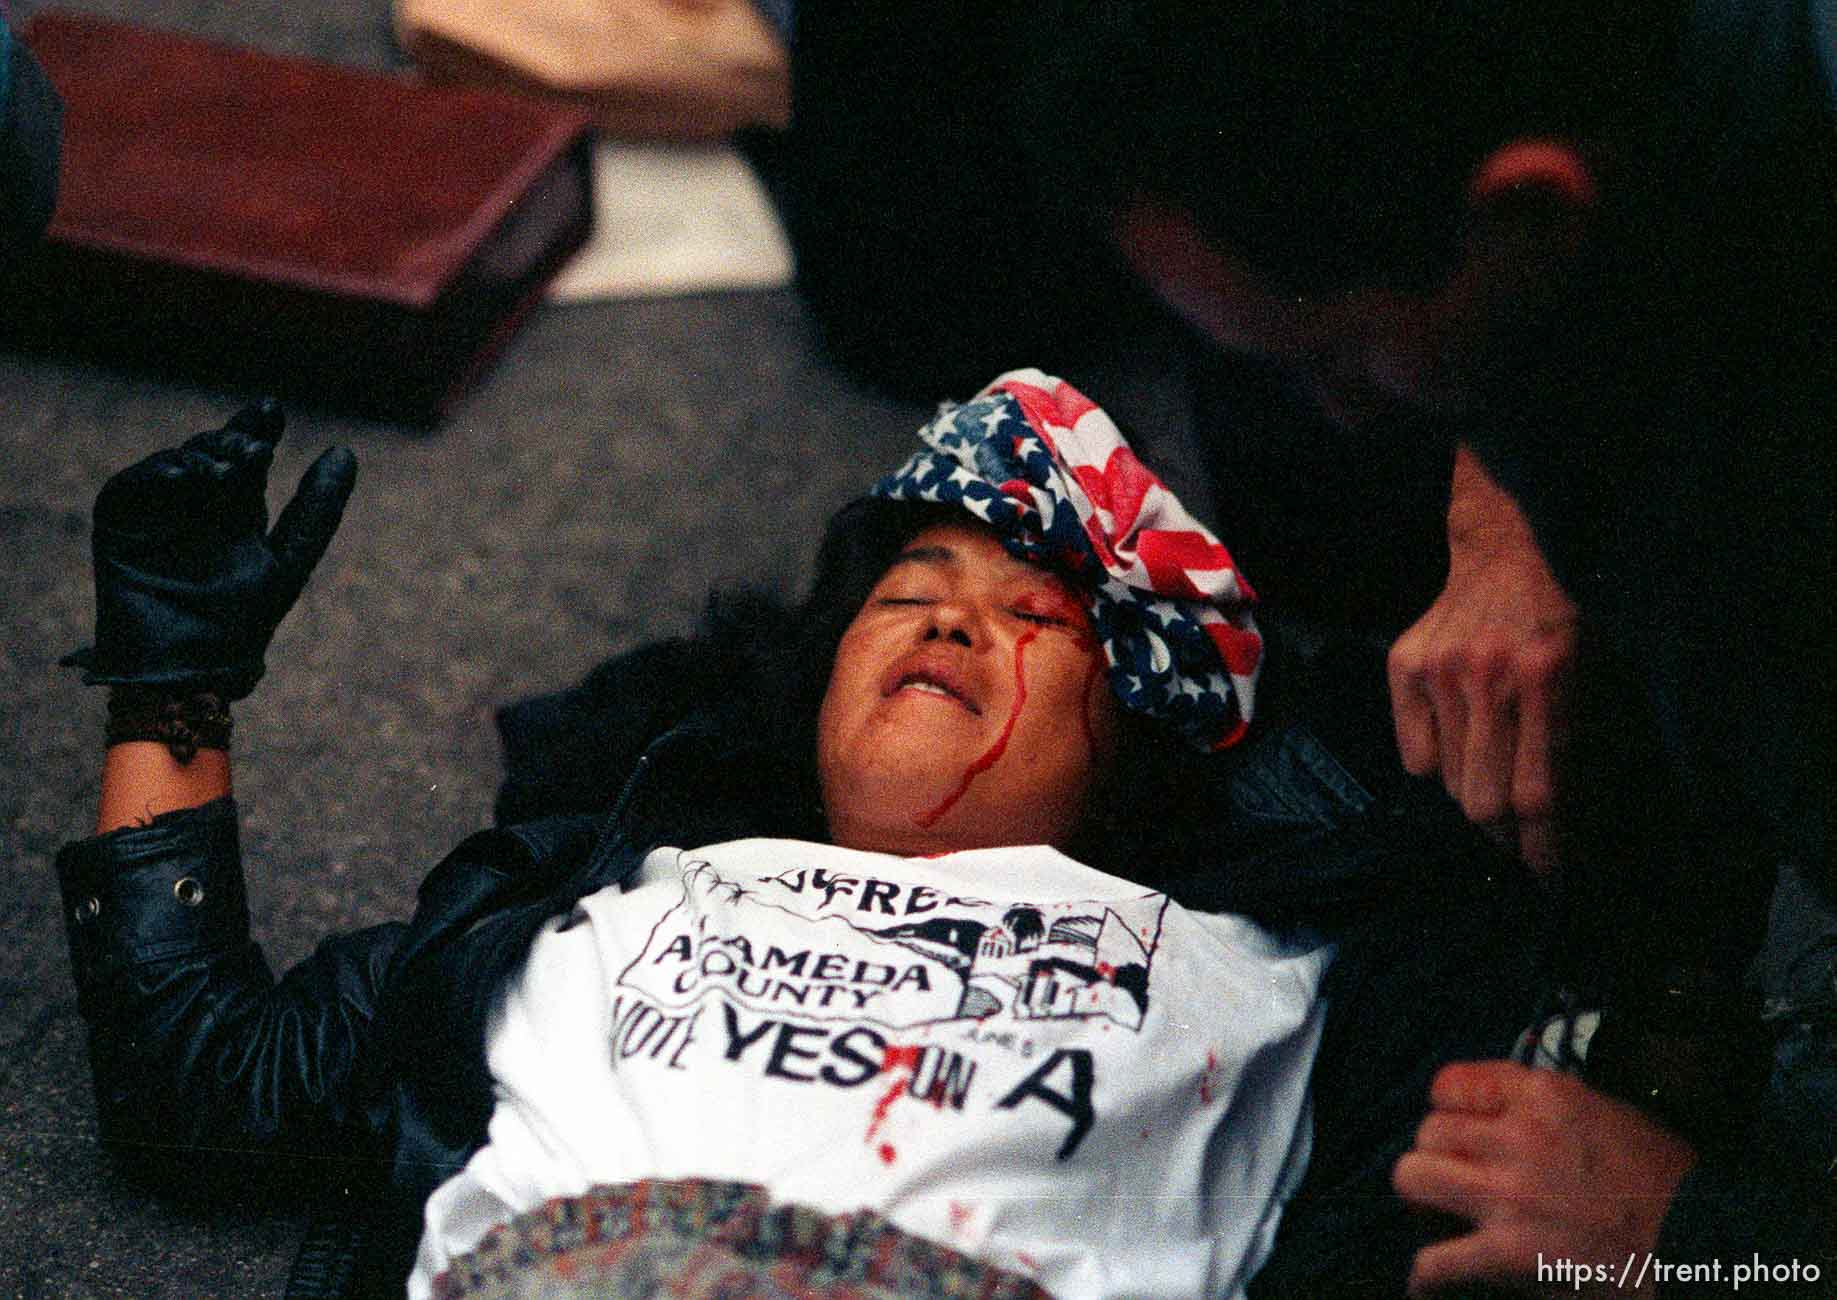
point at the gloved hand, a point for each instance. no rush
(190, 584)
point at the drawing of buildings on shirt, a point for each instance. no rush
(829, 955)
(1083, 964)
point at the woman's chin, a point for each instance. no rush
(912, 826)
(901, 823)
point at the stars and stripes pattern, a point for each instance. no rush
(1045, 467)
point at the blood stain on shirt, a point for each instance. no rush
(959, 1218)
(1205, 1080)
(899, 1062)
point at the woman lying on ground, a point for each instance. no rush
(824, 984)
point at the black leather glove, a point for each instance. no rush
(190, 584)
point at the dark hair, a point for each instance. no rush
(750, 682)
(788, 654)
(750, 686)
(744, 695)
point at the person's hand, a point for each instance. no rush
(1480, 684)
(1545, 1169)
(190, 583)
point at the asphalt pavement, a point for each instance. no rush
(619, 460)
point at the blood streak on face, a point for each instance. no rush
(943, 675)
(1072, 622)
(992, 755)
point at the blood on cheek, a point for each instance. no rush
(1073, 622)
(991, 755)
(1074, 627)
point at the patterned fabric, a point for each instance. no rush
(699, 1239)
(1045, 467)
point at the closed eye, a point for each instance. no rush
(906, 600)
(1043, 620)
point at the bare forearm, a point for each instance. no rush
(1484, 522)
(1479, 683)
(141, 779)
(190, 585)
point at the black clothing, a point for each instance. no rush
(1676, 463)
(368, 1057)
(371, 1051)
(31, 122)
(1665, 422)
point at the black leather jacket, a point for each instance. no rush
(369, 1052)
(367, 1059)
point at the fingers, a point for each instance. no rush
(1483, 780)
(1478, 1087)
(1533, 770)
(244, 445)
(1537, 1163)
(1483, 708)
(212, 481)
(1456, 1134)
(1445, 715)
(1542, 739)
(1443, 687)
(1412, 711)
(1462, 1164)
(258, 422)
(1449, 1184)
(306, 525)
(1422, 707)
(147, 496)
(1540, 845)
(264, 420)
(1478, 1256)
(1534, 781)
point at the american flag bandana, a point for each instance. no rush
(1042, 464)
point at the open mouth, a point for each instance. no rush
(930, 683)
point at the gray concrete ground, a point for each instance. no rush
(620, 459)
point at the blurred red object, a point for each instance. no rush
(351, 238)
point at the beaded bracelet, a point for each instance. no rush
(183, 721)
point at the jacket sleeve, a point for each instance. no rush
(1744, 1213)
(1772, 1201)
(31, 123)
(558, 748)
(195, 1047)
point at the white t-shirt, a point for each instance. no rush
(1001, 1050)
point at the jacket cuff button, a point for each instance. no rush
(188, 891)
(87, 910)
